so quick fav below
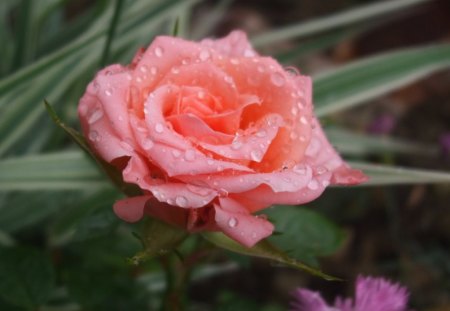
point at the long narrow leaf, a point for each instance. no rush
(382, 175)
(361, 14)
(58, 171)
(366, 79)
(352, 143)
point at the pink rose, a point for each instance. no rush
(211, 132)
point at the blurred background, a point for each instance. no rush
(382, 90)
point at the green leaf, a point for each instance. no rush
(54, 171)
(304, 233)
(111, 171)
(352, 143)
(263, 249)
(111, 30)
(26, 277)
(361, 14)
(366, 79)
(158, 239)
(383, 175)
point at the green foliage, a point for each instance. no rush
(303, 233)
(27, 277)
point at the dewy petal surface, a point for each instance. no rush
(210, 132)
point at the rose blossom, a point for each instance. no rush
(211, 132)
(372, 294)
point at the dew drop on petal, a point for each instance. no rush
(321, 170)
(147, 144)
(294, 111)
(181, 201)
(94, 136)
(175, 70)
(303, 120)
(204, 55)
(189, 155)
(236, 145)
(313, 184)
(325, 183)
(293, 135)
(260, 68)
(143, 68)
(153, 70)
(108, 92)
(299, 169)
(96, 115)
(277, 79)
(261, 133)
(232, 222)
(176, 153)
(159, 128)
(159, 51)
(234, 61)
(256, 155)
(210, 161)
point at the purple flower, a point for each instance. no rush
(372, 294)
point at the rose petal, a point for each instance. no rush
(251, 147)
(131, 209)
(320, 153)
(235, 44)
(236, 222)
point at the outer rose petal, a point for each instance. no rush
(131, 209)
(235, 221)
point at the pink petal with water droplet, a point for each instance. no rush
(253, 146)
(235, 221)
(183, 195)
(321, 153)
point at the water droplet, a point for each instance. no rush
(147, 144)
(313, 184)
(235, 145)
(108, 92)
(234, 61)
(143, 68)
(159, 128)
(189, 155)
(126, 146)
(277, 79)
(261, 133)
(220, 168)
(256, 155)
(138, 79)
(228, 79)
(176, 153)
(159, 51)
(232, 222)
(241, 180)
(321, 170)
(175, 70)
(292, 71)
(260, 68)
(293, 135)
(302, 138)
(204, 55)
(249, 53)
(294, 111)
(299, 169)
(96, 115)
(210, 161)
(303, 120)
(181, 201)
(153, 70)
(201, 94)
(94, 136)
